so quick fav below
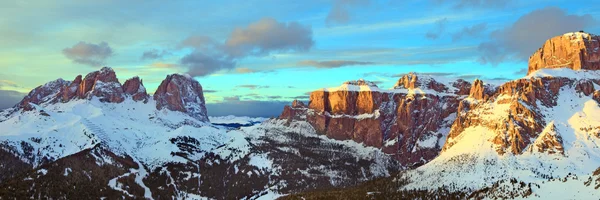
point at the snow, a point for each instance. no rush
(358, 85)
(564, 72)
(67, 171)
(261, 161)
(373, 115)
(42, 171)
(230, 119)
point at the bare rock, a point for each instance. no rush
(135, 88)
(575, 50)
(181, 93)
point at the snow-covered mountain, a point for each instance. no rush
(533, 137)
(93, 138)
(427, 137)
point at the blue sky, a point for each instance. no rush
(267, 53)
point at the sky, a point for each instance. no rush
(252, 57)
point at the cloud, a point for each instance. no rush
(154, 54)
(260, 38)
(198, 42)
(88, 53)
(519, 40)
(9, 98)
(468, 76)
(473, 31)
(268, 35)
(163, 65)
(340, 14)
(231, 98)
(8, 83)
(466, 4)
(200, 64)
(521, 72)
(332, 63)
(244, 70)
(209, 91)
(246, 108)
(438, 30)
(252, 87)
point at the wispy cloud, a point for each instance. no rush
(332, 63)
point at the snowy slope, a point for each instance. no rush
(174, 146)
(473, 162)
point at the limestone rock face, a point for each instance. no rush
(181, 93)
(102, 84)
(70, 91)
(135, 88)
(480, 91)
(575, 50)
(42, 94)
(410, 121)
(549, 141)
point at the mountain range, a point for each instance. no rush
(426, 137)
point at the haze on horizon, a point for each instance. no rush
(252, 57)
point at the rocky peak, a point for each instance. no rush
(408, 81)
(181, 93)
(413, 81)
(576, 50)
(42, 93)
(480, 91)
(298, 104)
(68, 92)
(102, 84)
(135, 88)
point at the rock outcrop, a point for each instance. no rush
(181, 93)
(42, 94)
(134, 87)
(410, 121)
(177, 92)
(577, 50)
(102, 84)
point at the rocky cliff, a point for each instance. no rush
(423, 115)
(577, 50)
(410, 121)
(181, 93)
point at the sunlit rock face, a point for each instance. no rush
(102, 84)
(42, 93)
(181, 93)
(410, 121)
(577, 50)
(135, 88)
(521, 113)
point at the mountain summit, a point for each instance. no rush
(177, 92)
(575, 50)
